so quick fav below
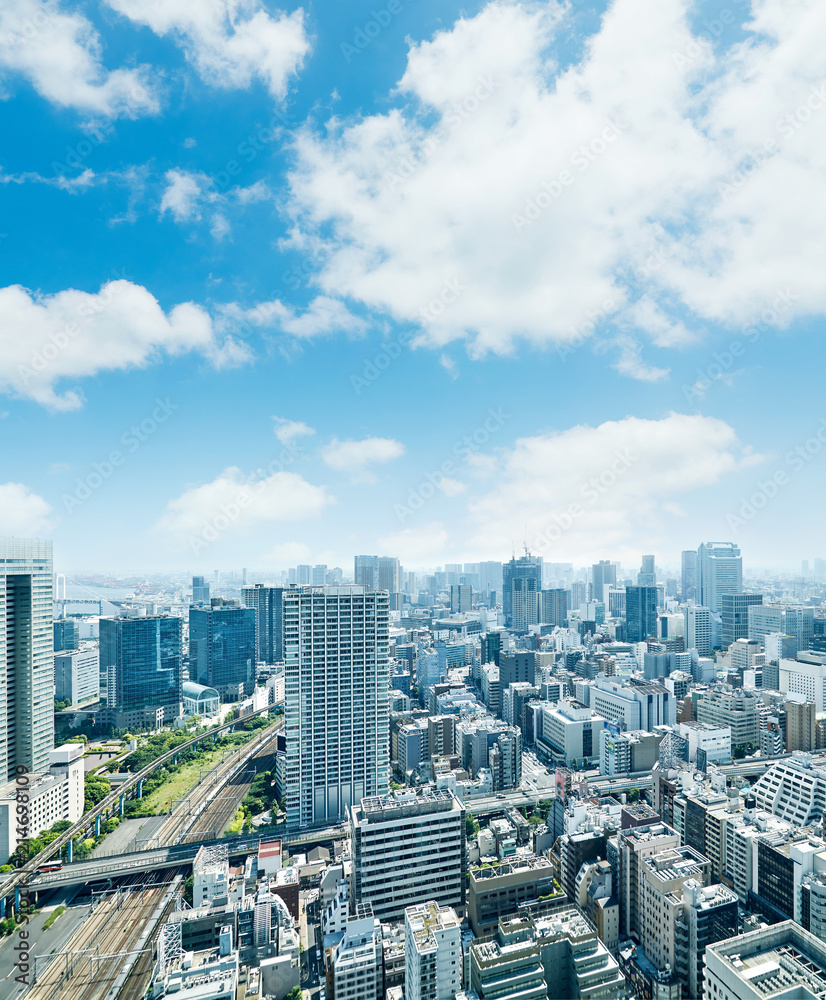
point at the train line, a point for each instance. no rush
(97, 953)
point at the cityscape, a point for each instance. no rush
(497, 779)
(412, 461)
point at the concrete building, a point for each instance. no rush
(801, 725)
(794, 790)
(508, 965)
(596, 899)
(432, 952)
(570, 731)
(337, 709)
(773, 963)
(698, 629)
(806, 676)
(626, 853)
(746, 654)
(408, 848)
(26, 655)
(733, 708)
(623, 752)
(797, 622)
(497, 890)
(77, 674)
(354, 969)
(633, 704)
(713, 741)
(46, 797)
(681, 915)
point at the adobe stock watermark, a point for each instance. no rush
(795, 461)
(551, 189)
(723, 362)
(231, 512)
(371, 29)
(591, 491)
(463, 449)
(457, 114)
(131, 440)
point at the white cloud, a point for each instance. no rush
(288, 430)
(234, 503)
(46, 339)
(510, 198)
(59, 53)
(229, 44)
(618, 480)
(324, 315)
(73, 185)
(630, 362)
(23, 512)
(220, 226)
(355, 457)
(181, 196)
(452, 487)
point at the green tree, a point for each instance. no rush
(471, 825)
(633, 795)
(738, 752)
(295, 993)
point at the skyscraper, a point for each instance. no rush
(200, 590)
(604, 575)
(460, 597)
(141, 658)
(735, 615)
(553, 607)
(268, 604)
(525, 568)
(26, 655)
(378, 573)
(719, 571)
(688, 575)
(698, 629)
(65, 634)
(337, 710)
(222, 649)
(647, 576)
(640, 613)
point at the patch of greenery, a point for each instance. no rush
(53, 916)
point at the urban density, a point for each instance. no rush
(412, 462)
(494, 780)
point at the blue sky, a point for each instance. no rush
(281, 285)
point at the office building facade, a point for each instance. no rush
(640, 613)
(268, 605)
(337, 710)
(222, 649)
(735, 611)
(523, 577)
(141, 658)
(719, 571)
(26, 655)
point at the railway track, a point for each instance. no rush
(96, 953)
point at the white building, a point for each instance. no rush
(698, 629)
(746, 654)
(714, 740)
(356, 961)
(47, 797)
(571, 729)
(408, 848)
(337, 706)
(793, 789)
(77, 674)
(719, 571)
(805, 675)
(432, 952)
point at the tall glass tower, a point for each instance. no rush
(142, 661)
(26, 655)
(526, 568)
(719, 571)
(337, 700)
(222, 649)
(268, 604)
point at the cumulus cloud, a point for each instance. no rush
(654, 184)
(235, 503)
(23, 512)
(618, 479)
(59, 53)
(324, 315)
(356, 457)
(288, 430)
(229, 44)
(46, 339)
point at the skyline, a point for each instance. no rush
(298, 261)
